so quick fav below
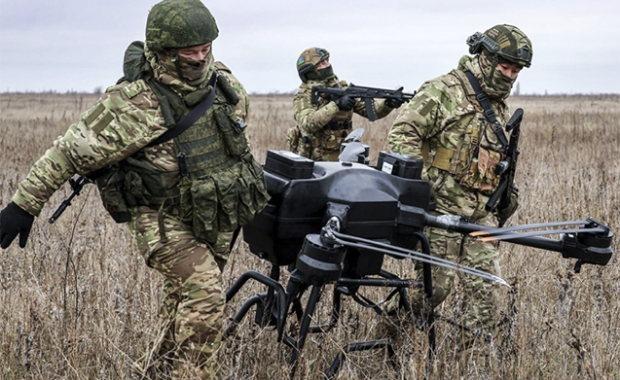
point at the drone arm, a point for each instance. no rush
(591, 248)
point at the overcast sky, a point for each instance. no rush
(78, 45)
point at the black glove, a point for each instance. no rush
(345, 102)
(394, 103)
(14, 221)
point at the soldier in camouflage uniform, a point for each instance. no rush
(322, 127)
(184, 198)
(445, 125)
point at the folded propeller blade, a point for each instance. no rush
(518, 235)
(499, 231)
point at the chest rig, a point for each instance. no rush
(341, 121)
(473, 159)
(218, 187)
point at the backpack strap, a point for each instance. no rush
(489, 113)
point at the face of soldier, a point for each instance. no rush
(511, 70)
(196, 53)
(195, 61)
(323, 64)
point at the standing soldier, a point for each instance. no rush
(461, 140)
(169, 146)
(322, 127)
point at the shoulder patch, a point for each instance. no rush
(97, 118)
(221, 66)
(422, 103)
(449, 80)
(93, 113)
(428, 106)
(133, 89)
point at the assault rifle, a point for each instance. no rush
(76, 185)
(508, 167)
(369, 94)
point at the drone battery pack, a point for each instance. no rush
(288, 164)
(400, 165)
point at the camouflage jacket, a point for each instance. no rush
(444, 124)
(122, 122)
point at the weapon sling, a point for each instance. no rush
(189, 119)
(483, 99)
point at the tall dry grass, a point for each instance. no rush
(79, 303)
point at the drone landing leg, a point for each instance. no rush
(298, 345)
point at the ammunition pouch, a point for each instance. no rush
(232, 131)
(331, 139)
(224, 201)
(481, 174)
(130, 183)
(472, 172)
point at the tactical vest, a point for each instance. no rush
(471, 164)
(219, 186)
(325, 144)
(340, 122)
(333, 134)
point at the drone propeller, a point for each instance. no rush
(499, 231)
(510, 236)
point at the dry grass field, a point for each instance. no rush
(79, 303)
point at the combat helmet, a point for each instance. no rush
(506, 41)
(174, 24)
(307, 61)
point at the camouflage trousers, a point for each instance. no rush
(476, 300)
(193, 295)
